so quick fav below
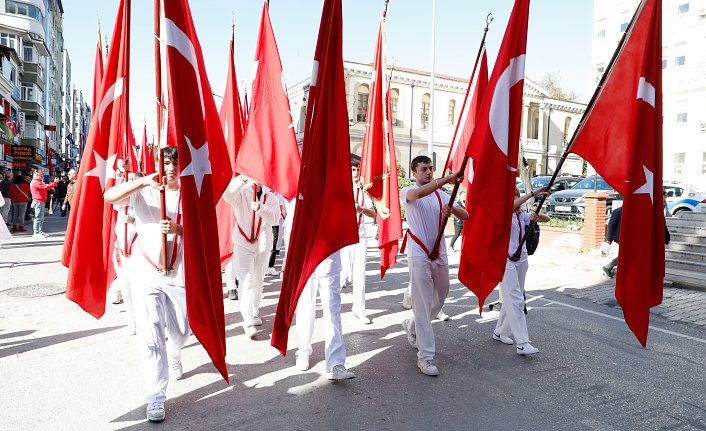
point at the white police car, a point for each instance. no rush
(682, 198)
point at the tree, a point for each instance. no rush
(553, 86)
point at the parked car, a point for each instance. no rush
(682, 198)
(562, 182)
(570, 203)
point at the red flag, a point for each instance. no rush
(458, 152)
(233, 123)
(89, 235)
(146, 159)
(132, 145)
(324, 217)
(269, 153)
(194, 127)
(378, 162)
(98, 71)
(621, 136)
(493, 150)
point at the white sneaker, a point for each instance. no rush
(155, 411)
(302, 362)
(411, 338)
(250, 331)
(39, 235)
(502, 338)
(272, 271)
(407, 302)
(339, 372)
(256, 321)
(176, 371)
(526, 349)
(363, 318)
(443, 316)
(428, 367)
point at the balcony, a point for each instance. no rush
(33, 75)
(33, 30)
(34, 110)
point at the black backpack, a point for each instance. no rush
(532, 233)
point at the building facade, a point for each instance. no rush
(683, 78)
(546, 122)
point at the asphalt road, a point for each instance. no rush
(60, 369)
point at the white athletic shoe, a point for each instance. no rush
(339, 372)
(502, 338)
(155, 411)
(176, 371)
(526, 349)
(256, 321)
(272, 271)
(443, 316)
(250, 331)
(363, 318)
(411, 338)
(302, 362)
(428, 367)
(407, 301)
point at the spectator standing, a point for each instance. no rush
(61, 193)
(20, 195)
(39, 196)
(5, 184)
(70, 188)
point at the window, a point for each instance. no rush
(678, 163)
(683, 8)
(533, 122)
(682, 117)
(9, 40)
(363, 94)
(567, 126)
(29, 10)
(452, 112)
(664, 63)
(425, 111)
(623, 27)
(394, 102)
(28, 93)
(680, 61)
(28, 54)
(601, 35)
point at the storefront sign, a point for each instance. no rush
(23, 154)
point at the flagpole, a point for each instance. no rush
(488, 20)
(125, 115)
(430, 147)
(589, 108)
(435, 249)
(160, 176)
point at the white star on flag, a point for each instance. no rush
(471, 172)
(649, 186)
(200, 165)
(104, 169)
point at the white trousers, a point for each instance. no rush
(155, 306)
(512, 319)
(249, 267)
(353, 259)
(430, 285)
(122, 284)
(330, 293)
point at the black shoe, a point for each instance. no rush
(608, 272)
(233, 294)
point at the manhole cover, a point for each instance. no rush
(36, 290)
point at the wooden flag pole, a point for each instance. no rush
(127, 168)
(435, 249)
(158, 69)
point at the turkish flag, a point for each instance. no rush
(146, 158)
(493, 149)
(98, 71)
(378, 162)
(233, 123)
(324, 216)
(132, 145)
(458, 153)
(89, 234)
(621, 136)
(269, 153)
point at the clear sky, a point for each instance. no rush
(559, 39)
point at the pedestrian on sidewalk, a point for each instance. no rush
(256, 210)
(70, 188)
(5, 184)
(61, 193)
(5, 235)
(158, 294)
(424, 205)
(20, 193)
(512, 318)
(354, 256)
(39, 197)
(326, 281)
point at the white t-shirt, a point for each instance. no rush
(239, 196)
(362, 199)
(120, 227)
(515, 231)
(145, 203)
(423, 221)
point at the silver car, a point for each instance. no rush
(570, 203)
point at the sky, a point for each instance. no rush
(559, 39)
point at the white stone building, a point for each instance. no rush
(683, 79)
(547, 122)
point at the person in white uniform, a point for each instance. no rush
(256, 210)
(354, 256)
(424, 205)
(278, 234)
(512, 319)
(158, 293)
(326, 282)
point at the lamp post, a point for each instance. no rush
(546, 142)
(411, 121)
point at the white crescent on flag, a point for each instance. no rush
(500, 106)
